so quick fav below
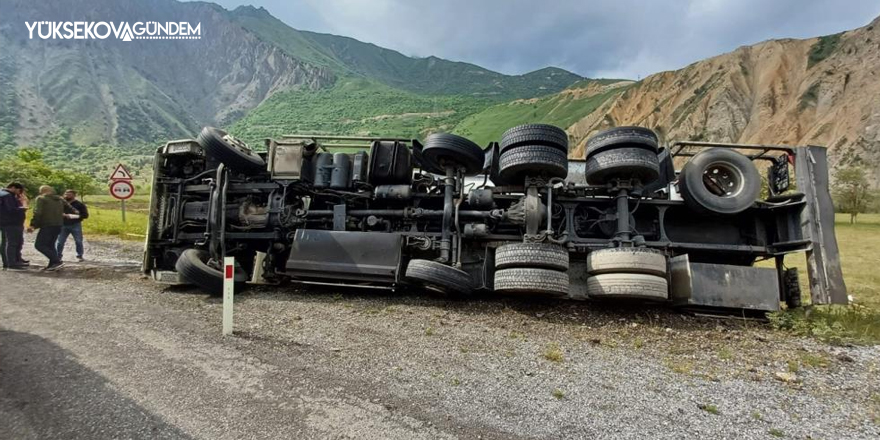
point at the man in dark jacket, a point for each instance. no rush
(13, 206)
(72, 225)
(48, 217)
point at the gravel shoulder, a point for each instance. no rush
(96, 351)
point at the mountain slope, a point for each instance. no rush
(562, 109)
(115, 91)
(431, 75)
(110, 91)
(820, 91)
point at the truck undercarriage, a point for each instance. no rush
(517, 217)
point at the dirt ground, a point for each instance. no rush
(96, 351)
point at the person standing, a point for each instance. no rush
(13, 206)
(72, 225)
(48, 218)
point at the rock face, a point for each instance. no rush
(819, 91)
(115, 91)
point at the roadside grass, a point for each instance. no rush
(104, 221)
(859, 322)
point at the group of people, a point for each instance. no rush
(54, 217)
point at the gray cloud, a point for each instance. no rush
(620, 39)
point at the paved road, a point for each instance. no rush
(97, 352)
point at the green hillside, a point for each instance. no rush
(355, 106)
(347, 56)
(562, 109)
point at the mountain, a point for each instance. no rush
(134, 92)
(817, 91)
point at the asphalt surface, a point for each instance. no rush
(95, 351)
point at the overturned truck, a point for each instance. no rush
(681, 224)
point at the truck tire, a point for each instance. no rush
(444, 148)
(535, 134)
(230, 151)
(619, 137)
(544, 282)
(438, 277)
(626, 260)
(622, 163)
(627, 286)
(192, 265)
(719, 181)
(534, 161)
(540, 255)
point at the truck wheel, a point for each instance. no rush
(627, 285)
(528, 280)
(622, 163)
(535, 134)
(719, 181)
(439, 277)
(230, 151)
(442, 149)
(192, 265)
(532, 160)
(541, 255)
(617, 137)
(626, 260)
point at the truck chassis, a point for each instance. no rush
(516, 217)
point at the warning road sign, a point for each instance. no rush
(121, 189)
(120, 173)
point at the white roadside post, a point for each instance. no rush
(228, 290)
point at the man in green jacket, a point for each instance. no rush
(48, 217)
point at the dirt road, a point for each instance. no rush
(98, 352)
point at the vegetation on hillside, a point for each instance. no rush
(823, 48)
(562, 110)
(28, 168)
(355, 106)
(8, 107)
(434, 76)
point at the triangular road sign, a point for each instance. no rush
(120, 173)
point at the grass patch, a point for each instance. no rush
(858, 323)
(725, 353)
(757, 415)
(558, 394)
(793, 366)
(832, 324)
(710, 408)
(103, 221)
(776, 432)
(553, 353)
(680, 367)
(814, 360)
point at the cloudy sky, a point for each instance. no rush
(611, 39)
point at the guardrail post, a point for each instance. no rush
(228, 291)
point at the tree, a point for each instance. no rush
(851, 191)
(27, 167)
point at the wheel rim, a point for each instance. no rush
(723, 180)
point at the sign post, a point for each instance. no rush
(121, 187)
(228, 291)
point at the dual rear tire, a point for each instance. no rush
(533, 150)
(627, 273)
(532, 268)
